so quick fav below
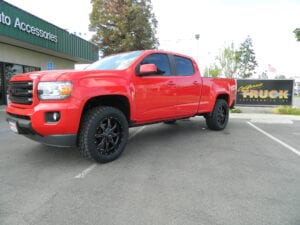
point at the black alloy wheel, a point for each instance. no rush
(103, 134)
(218, 118)
(108, 135)
(221, 114)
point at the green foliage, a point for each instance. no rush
(289, 110)
(212, 71)
(297, 34)
(123, 25)
(263, 76)
(234, 63)
(235, 110)
(246, 62)
(227, 60)
(280, 77)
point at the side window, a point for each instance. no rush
(184, 66)
(161, 61)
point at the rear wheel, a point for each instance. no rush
(103, 134)
(218, 119)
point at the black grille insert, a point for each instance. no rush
(20, 92)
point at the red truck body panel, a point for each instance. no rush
(151, 98)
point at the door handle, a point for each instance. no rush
(171, 83)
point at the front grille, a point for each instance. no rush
(20, 92)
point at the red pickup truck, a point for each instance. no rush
(94, 108)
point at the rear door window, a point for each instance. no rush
(183, 66)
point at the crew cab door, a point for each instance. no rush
(155, 93)
(188, 86)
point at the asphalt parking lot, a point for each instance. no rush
(169, 174)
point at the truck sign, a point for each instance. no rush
(264, 92)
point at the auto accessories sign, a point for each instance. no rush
(264, 92)
(17, 23)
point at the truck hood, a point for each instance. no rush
(55, 75)
(49, 75)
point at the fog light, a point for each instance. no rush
(52, 117)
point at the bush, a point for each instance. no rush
(289, 110)
(235, 110)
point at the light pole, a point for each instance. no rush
(197, 36)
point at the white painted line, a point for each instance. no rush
(136, 132)
(272, 120)
(297, 152)
(93, 166)
(86, 171)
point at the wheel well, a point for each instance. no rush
(118, 101)
(225, 97)
(221, 96)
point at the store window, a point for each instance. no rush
(30, 69)
(12, 69)
(7, 71)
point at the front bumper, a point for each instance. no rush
(23, 126)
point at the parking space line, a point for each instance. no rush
(297, 152)
(86, 171)
(93, 166)
(136, 132)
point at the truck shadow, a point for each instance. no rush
(161, 137)
(158, 138)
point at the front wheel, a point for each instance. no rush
(218, 119)
(103, 134)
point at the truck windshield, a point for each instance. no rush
(115, 62)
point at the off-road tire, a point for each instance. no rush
(103, 134)
(218, 118)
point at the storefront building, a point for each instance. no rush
(28, 43)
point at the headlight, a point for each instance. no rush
(54, 90)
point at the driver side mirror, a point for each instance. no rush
(147, 69)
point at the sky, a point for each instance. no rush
(270, 24)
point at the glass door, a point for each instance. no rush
(10, 70)
(7, 71)
(2, 90)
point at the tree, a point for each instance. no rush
(280, 77)
(297, 34)
(123, 25)
(212, 71)
(246, 62)
(239, 63)
(263, 75)
(227, 61)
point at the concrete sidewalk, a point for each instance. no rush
(246, 109)
(265, 117)
(262, 113)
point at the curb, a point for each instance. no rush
(265, 116)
